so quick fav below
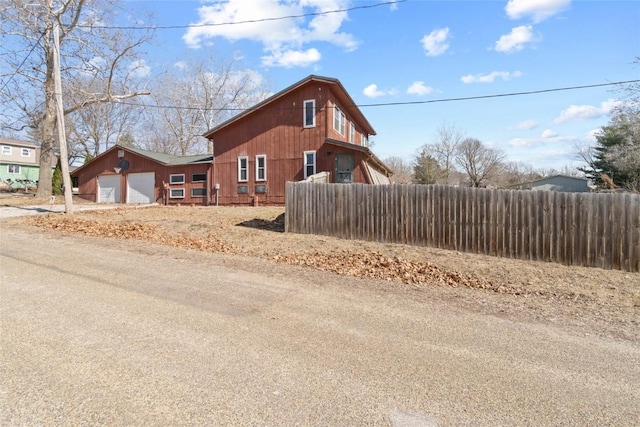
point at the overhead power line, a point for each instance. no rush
(391, 104)
(249, 21)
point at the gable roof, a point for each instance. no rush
(341, 93)
(18, 143)
(161, 158)
(169, 159)
(548, 178)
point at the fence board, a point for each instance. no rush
(601, 230)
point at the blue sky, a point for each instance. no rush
(420, 50)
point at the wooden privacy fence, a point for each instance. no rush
(598, 230)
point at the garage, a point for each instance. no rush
(141, 187)
(109, 189)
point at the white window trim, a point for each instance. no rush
(240, 158)
(364, 141)
(304, 113)
(339, 117)
(14, 167)
(305, 164)
(352, 133)
(171, 191)
(171, 176)
(6, 150)
(261, 156)
(195, 195)
(27, 151)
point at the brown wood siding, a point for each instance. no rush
(104, 165)
(277, 131)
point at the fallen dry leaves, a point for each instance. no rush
(365, 264)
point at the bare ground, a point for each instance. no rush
(588, 300)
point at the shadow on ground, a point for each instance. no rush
(276, 225)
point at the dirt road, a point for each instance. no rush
(112, 332)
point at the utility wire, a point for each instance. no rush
(387, 104)
(23, 62)
(249, 21)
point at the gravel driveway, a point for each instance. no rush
(111, 332)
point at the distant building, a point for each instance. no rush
(19, 160)
(564, 183)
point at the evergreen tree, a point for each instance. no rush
(426, 169)
(56, 180)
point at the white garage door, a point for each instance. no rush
(109, 189)
(140, 187)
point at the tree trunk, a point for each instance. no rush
(48, 143)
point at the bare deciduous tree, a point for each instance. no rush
(480, 163)
(401, 169)
(195, 98)
(91, 51)
(444, 149)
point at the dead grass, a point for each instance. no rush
(598, 300)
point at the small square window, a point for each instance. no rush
(199, 177)
(26, 152)
(198, 192)
(176, 193)
(243, 189)
(6, 150)
(176, 178)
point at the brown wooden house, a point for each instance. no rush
(310, 127)
(131, 175)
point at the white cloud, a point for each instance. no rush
(292, 58)
(539, 10)
(548, 133)
(586, 112)
(517, 39)
(139, 68)
(490, 78)
(520, 142)
(282, 39)
(528, 124)
(372, 91)
(419, 88)
(181, 65)
(436, 42)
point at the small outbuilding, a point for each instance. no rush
(564, 183)
(132, 175)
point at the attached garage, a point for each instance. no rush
(109, 189)
(141, 187)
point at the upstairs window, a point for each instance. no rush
(338, 120)
(309, 113)
(261, 167)
(352, 133)
(26, 152)
(243, 169)
(309, 158)
(6, 150)
(364, 141)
